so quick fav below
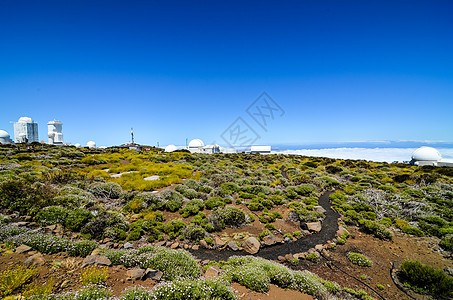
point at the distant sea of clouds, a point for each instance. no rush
(373, 151)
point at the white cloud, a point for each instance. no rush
(373, 154)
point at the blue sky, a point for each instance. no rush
(340, 70)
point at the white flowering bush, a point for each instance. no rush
(193, 289)
(7, 231)
(359, 259)
(308, 282)
(90, 292)
(172, 263)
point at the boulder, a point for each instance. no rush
(233, 246)
(219, 242)
(319, 208)
(281, 258)
(128, 246)
(155, 275)
(195, 247)
(313, 226)
(269, 240)
(251, 245)
(174, 245)
(23, 249)
(213, 272)
(35, 260)
(160, 244)
(96, 260)
(203, 244)
(319, 247)
(289, 257)
(135, 274)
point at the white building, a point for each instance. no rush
(4, 137)
(25, 131)
(170, 148)
(195, 146)
(54, 133)
(91, 144)
(260, 149)
(211, 149)
(428, 156)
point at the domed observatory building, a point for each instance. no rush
(170, 148)
(91, 144)
(25, 130)
(4, 137)
(196, 146)
(428, 156)
(54, 133)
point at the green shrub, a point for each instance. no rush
(412, 230)
(75, 219)
(174, 228)
(426, 278)
(194, 233)
(214, 202)
(359, 259)
(263, 234)
(227, 216)
(313, 257)
(378, 230)
(95, 228)
(82, 248)
(255, 206)
(447, 242)
(52, 215)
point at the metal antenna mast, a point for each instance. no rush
(132, 134)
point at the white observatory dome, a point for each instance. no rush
(426, 154)
(196, 143)
(91, 144)
(4, 134)
(77, 145)
(170, 148)
(25, 120)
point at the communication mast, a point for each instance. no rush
(132, 135)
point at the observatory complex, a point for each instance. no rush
(428, 156)
(25, 131)
(54, 133)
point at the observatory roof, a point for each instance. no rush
(426, 154)
(196, 143)
(4, 134)
(25, 120)
(170, 148)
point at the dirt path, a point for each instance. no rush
(329, 228)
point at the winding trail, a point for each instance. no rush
(329, 228)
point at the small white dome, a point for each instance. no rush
(4, 134)
(196, 143)
(25, 120)
(77, 145)
(91, 144)
(426, 154)
(170, 148)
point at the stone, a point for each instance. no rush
(448, 271)
(128, 246)
(251, 245)
(213, 272)
(174, 245)
(319, 247)
(95, 251)
(195, 247)
(319, 208)
(219, 242)
(281, 258)
(233, 246)
(269, 240)
(96, 260)
(205, 262)
(23, 249)
(35, 260)
(135, 274)
(289, 257)
(340, 231)
(313, 226)
(155, 275)
(288, 240)
(203, 244)
(59, 229)
(160, 244)
(186, 246)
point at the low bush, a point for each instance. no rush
(359, 259)
(174, 228)
(412, 230)
(94, 275)
(110, 190)
(426, 278)
(194, 233)
(228, 216)
(214, 202)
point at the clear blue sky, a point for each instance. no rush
(341, 70)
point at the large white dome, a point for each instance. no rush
(426, 154)
(91, 144)
(196, 143)
(25, 120)
(4, 134)
(170, 148)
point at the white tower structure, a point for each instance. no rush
(25, 130)
(54, 133)
(4, 137)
